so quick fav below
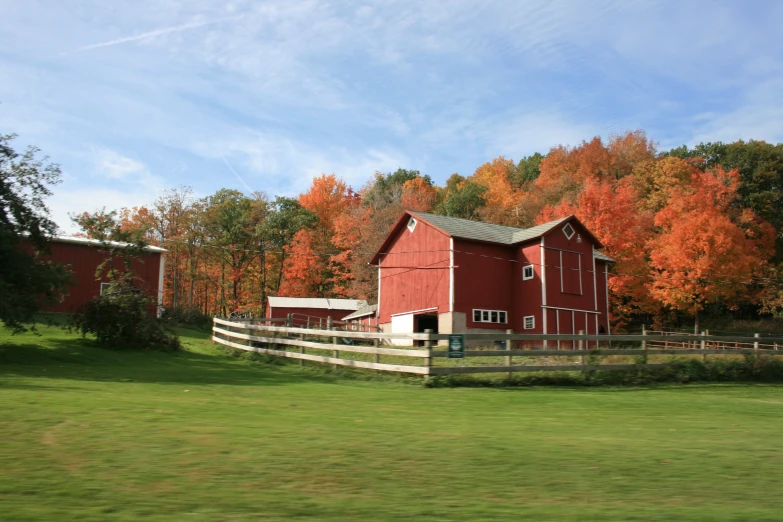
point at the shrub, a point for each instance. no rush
(185, 316)
(121, 318)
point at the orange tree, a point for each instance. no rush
(707, 250)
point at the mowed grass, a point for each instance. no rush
(93, 434)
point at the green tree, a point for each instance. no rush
(526, 170)
(28, 280)
(231, 220)
(387, 189)
(463, 199)
(285, 218)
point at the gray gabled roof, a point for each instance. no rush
(479, 231)
(316, 302)
(467, 229)
(362, 312)
(603, 257)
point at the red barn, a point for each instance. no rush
(312, 307)
(82, 256)
(460, 276)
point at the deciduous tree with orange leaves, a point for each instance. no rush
(707, 250)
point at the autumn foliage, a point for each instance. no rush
(685, 231)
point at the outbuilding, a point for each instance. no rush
(455, 275)
(362, 319)
(83, 256)
(305, 310)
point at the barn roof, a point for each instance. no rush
(603, 257)
(316, 302)
(480, 231)
(488, 232)
(362, 312)
(97, 243)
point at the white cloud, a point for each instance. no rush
(112, 165)
(759, 115)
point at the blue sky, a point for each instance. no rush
(131, 98)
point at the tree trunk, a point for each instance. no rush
(280, 275)
(263, 281)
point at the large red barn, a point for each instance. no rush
(83, 256)
(459, 276)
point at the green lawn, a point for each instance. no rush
(91, 434)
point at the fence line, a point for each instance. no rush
(280, 341)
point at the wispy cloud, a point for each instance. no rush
(154, 33)
(234, 172)
(279, 91)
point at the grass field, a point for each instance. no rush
(92, 434)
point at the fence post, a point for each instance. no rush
(428, 345)
(644, 343)
(703, 347)
(582, 346)
(335, 353)
(290, 321)
(377, 342)
(756, 343)
(509, 345)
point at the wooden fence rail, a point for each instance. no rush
(262, 336)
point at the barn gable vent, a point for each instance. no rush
(411, 224)
(569, 231)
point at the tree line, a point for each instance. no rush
(692, 229)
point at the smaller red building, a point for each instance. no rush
(311, 307)
(83, 256)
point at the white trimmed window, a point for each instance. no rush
(527, 272)
(411, 224)
(489, 316)
(569, 231)
(529, 322)
(105, 287)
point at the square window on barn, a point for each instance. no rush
(529, 322)
(105, 288)
(494, 316)
(477, 316)
(485, 316)
(411, 224)
(527, 272)
(502, 317)
(569, 231)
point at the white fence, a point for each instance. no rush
(366, 350)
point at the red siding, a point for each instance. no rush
(482, 281)
(561, 281)
(83, 261)
(488, 276)
(601, 284)
(528, 293)
(404, 288)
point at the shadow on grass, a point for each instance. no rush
(79, 359)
